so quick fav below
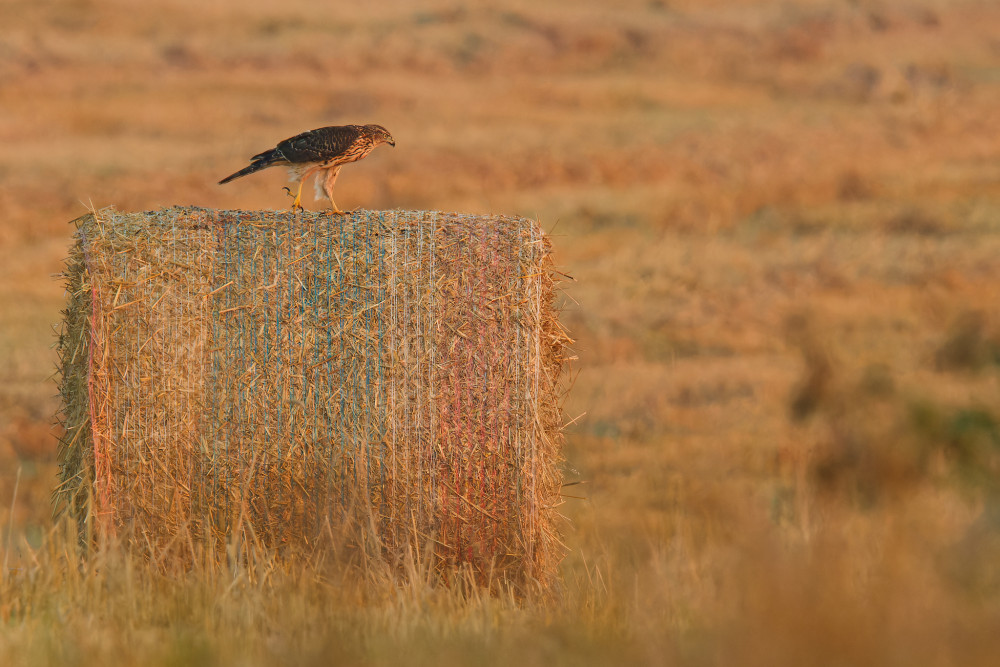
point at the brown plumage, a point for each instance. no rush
(321, 152)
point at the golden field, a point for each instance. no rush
(783, 222)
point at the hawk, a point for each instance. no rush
(321, 152)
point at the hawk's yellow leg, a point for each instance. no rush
(297, 204)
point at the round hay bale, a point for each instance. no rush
(274, 377)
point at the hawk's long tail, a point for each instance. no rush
(257, 162)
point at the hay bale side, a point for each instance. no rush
(278, 376)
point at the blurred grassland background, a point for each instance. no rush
(783, 219)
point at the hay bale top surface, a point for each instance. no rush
(112, 221)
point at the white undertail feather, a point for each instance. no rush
(318, 185)
(325, 180)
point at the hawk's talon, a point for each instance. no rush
(297, 204)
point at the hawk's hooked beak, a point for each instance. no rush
(391, 142)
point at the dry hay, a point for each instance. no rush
(276, 376)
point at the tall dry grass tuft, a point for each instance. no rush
(71, 605)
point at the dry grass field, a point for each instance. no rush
(783, 221)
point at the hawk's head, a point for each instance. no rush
(380, 135)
